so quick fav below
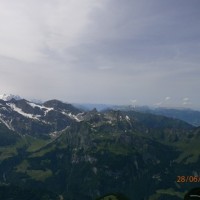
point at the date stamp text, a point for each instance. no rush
(188, 179)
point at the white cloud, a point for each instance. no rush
(134, 101)
(105, 67)
(29, 29)
(158, 104)
(19, 35)
(106, 51)
(167, 98)
(186, 101)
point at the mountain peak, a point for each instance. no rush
(8, 97)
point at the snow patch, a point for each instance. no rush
(35, 105)
(77, 117)
(8, 125)
(19, 110)
(127, 118)
(47, 109)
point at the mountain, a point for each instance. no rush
(90, 106)
(7, 137)
(30, 118)
(8, 97)
(188, 115)
(57, 151)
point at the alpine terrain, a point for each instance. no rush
(54, 150)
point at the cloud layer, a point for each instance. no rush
(105, 51)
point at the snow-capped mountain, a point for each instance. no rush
(51, 117)
(8, 97)
(26, 117)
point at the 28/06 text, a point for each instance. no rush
(188, 179)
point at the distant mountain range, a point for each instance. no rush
(188, 115)
(55, 150)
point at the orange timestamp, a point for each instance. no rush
(188, 179)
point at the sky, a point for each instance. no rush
(140, 52)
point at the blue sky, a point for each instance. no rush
(110, 51)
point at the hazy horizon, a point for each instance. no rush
(101, 105)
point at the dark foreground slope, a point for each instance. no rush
(139, 156)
